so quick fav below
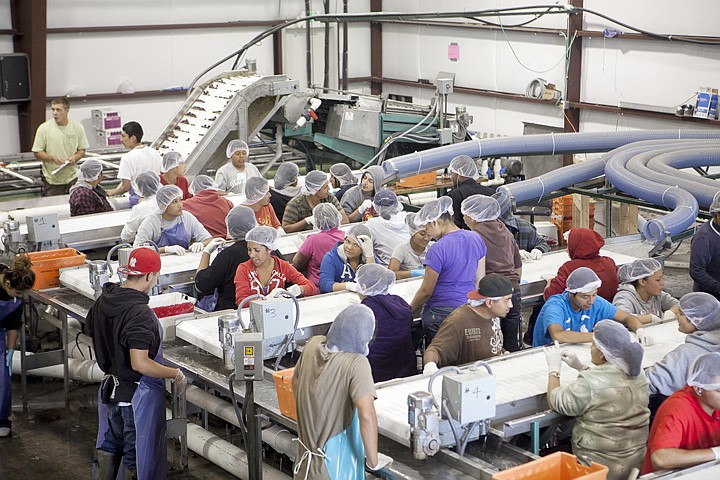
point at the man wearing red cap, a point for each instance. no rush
(128, 345)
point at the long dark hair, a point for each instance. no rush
(20, 276)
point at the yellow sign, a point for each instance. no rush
(249, 350)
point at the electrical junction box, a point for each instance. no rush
(470, 395)
(43, 228)
(445, 135)
(248, 356)
(274, 317)
(445, 82)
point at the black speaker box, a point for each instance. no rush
(14, 77)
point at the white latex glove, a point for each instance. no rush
(295, 290)
(644, 339)
(430, 368)
(655, 318)
(310, 221)
(715, 450)
(366, 244)
(573, 360)
(553, 357)
(197, 247)
(383, 461)
(669, 315)
(180, 382)
(213, 245)
(536, 254)
(525, 255)
(281, 231)
(272, 293)
(175, 250)
(364, 206)
(351, 286)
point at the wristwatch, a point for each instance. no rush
(554, 374)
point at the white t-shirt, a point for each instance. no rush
(138, 213)
(387, 234)
(228, 179)
(409, 260)
(138, 160)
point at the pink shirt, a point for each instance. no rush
(316, 246)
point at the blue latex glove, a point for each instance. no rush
(8, 359)
(417, 272)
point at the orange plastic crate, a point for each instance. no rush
(422, 180)
(556, 466)
(283, 387)
(47, 265)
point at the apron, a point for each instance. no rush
(176, 235)
(134, 197)
(6, 308)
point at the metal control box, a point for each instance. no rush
(274, 317)
(470, 395)
(248, 356)
(43, 228)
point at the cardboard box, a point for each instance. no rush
(106, 119)
(707, 103)
(107, 138)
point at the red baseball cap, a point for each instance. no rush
(141, 262)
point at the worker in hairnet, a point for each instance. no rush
(313, 249)
(148, 184)
(265, 272)
(298, 211)
(392, 353)
(454, 264)
(464, 174)
(285, 187)
(357, 201)
(571, 316)
(641, 292)
(472, 331)
(408, 258)
(342, 179)
(87, 196)
(686, 430)
(481, 214)
(338, 267)
(335, 395)
(388, 228)
(208, 206)
(172, 172)
(231, 177)
(532, 246)
(257, 197)
(216, 281)
(609, 399)
(705, 253)
(172, 229)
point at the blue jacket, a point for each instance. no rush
(705, 259)
(334, 269)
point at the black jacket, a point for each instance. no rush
(221, 274)
(465, 189)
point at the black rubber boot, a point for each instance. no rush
(108, 465)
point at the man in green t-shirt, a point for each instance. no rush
(59, 144)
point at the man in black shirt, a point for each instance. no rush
(464, 175)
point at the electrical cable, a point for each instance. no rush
(238, 413)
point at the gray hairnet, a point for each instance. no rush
(410, 222)
(255, 189)
(286, 174)
(705, 372)
(464, 166)
(480, 208)
(432, 210)
(239, 221)
(373, 279)
(357, 230)
(90, 170)
(148, 183)
(326, 216)
(236, 145)
(263, 235)
(702, 310)
(171, 160)
(715, 205)
(343, 173)
(314, 181)
(582, 280)
(386, 203)
(640, 268)
(618, 346)
(352, 330)
(200, 183)
(165, 195)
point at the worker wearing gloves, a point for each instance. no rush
(334, 394)
(284, 188)
(208, 206)
(472, 332)
(265, 272)
(532, 246)
(571, 316)
(392, 353)
(609, 399)
(216, 281)
(87, 196)
(128, 343)
(231, 177)
(172, 229)
(148, 184)
(342, 179)
(172, 172)
(686, 430)
(310, 255)
(388, 228)
(705, 253)
(641, 292)
(14, 282)
(338, 267)
(298, 212)
(481, 214)
(257, 197)
(454, 264)
(408, 258)
(464, 174)
(357, 201)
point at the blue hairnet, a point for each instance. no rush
(352, 330)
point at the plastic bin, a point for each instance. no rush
(283, 387)
(47, 265)
(170, 308)
(422, 180)
(556, 466)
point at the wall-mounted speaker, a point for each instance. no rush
(14, 77)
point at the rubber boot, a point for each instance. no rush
(108, 465)
(130, 474)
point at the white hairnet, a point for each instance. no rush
(410, 222)
(432, 210)
(480, 208)
(702, 310)
(715, 205)
(200, 183)
(165, 195)
(386, 203)
(373, 279)
(171, 160)
(263, 235)
(352, 330)
(90, 170)
(148, 183)
(343, 173)
(357, 230)
(464, 166)
(705, 372)
(286, 174)
(236, 145)
(326, 216)
(255, 189)
(314, 181)
(582, 280)
(618, 346)
(239, 221)
(640, 268)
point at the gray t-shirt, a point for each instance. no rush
(386, 234)
(627, 299)
(228, 179)
(153, 225)
(409, 260)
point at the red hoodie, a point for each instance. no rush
(584, 249)
(210, 209)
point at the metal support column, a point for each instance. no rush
(574, 74)
(376, 51)
(254, 437)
